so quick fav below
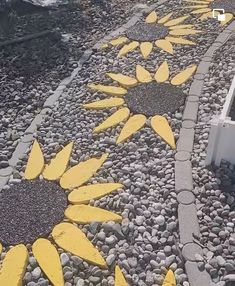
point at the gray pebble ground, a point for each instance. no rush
(146, 243)
(214, 187)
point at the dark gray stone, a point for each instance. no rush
(186, 139)
(197, 277)
(190, 250)
(188, 222)
(183, 176)
(190, 111)
(186, 198)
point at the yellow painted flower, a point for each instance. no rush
(144, 95)
(162, 32)
(204, 8)
(37, 209)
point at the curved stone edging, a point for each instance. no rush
(187, 212)
(27, 138)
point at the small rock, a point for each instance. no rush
(36, 273)
(64, 259)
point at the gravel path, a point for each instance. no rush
(214, 186)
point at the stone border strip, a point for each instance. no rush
(187, 212)
(27, 138)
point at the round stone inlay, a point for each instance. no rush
(186, 198)
(144, 32)
(190, 250)
(30, 210)
(154, 98)
(227, 5)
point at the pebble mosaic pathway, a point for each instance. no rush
(71, 180)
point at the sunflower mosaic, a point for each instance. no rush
(143, 96)
(162, 32)
(37, 208)
(204, 8)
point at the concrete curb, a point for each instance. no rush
(26, 140)
(187, 213)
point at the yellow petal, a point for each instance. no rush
(0, 248)
(200, 11)
(184, 75)
(142, 74)
(228, 18)
(179, 40)
(176, 21)
(112, 90)
(84, 194)
(133, 124)
(119, 277)
(35, 162)
(82, 172)
(128, 48)
(205, 16)
(182, 32)
(181, 27)
(72, 239)
(165, 45)
(162, 74)
(105, 103)
(163, 129)
(146, 49)
(169, 279)
(124, 80)
(104, 46)
(119, 41)
(196, 6)
(49, 261)
(165, 18)
(117, 117)
(151, 18)
(14, 266)
(55, 169)
(84, 214)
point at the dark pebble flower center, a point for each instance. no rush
(154, 98)
(30, 210)
(145, 32)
